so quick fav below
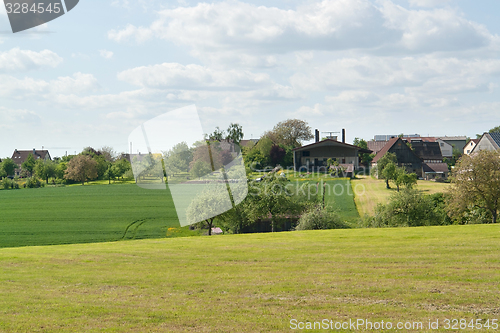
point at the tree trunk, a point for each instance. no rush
(210, 223)
(387, 183)
(494, 213)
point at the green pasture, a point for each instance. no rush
(254, 282)
(81, 214)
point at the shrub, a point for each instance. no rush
(410, 208)
(34, 182)
(317, 218)
(9, 184)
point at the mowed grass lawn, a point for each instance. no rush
(82, 214)
(254, 282)
(370, 191)
(339, 195)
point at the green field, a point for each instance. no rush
(254, 282)
(82, 214)
(340, 196)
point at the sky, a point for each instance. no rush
(92, 76)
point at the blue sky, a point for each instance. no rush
(372, 67)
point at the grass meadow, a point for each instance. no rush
(83, 214)
(254, 282)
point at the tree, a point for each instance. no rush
(495, 130)
(205, 207)
(234, 133)
(45, 169)
(317, 218)
(476, 184)
(29, 164)
(277, 154)
(177, 159)
(8, 166)
(200, 168)
(291, 132)
(382, 163)
(403, 178)
(217, 135)
(82, 168)
(272, 199)
(121, 166)
(409, 208)
(366, 158)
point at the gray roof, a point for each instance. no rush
(495, 137)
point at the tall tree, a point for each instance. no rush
(234, 133)
(476, 184)
(45, 169)
(382, 163)
(291, 132)
(8, 166)
(29, 164)
(495, 129)
(81, 168)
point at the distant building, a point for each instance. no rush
(19, 156)
(376, 146)
(314, 156)
(404, 155)
(445, 147)
(428, 152)
(386, 137)
(457, 142)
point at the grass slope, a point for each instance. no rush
(80, 214)
(376, 192)
(253, 283)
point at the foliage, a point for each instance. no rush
(8, 184)
(495, 129)
(409, 208)
(45, 169)
(29, 164)
(475, 184)
(382, 163)
(204, 208)
(273, 198)
(234, 133)
(200, 169)
(277, 154)
(8, 166)
(366, 158)
(177, 159)
(403, 178)
(290, 132)
(317, 218)
(33, 182)
(82, 168)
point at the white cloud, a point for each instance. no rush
(21, 89)
(230, 29)
(24, 60)
(177, 76)
(12, 117)
(428, 3)
(106, 54)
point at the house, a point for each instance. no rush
(488, 141)
(457, 142)
(469, 147)
(19, 156)
(428, 152)
(435, 171)
(404, 155)
(314, 156)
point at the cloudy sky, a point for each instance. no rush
(372, 67)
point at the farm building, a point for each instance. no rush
(404, 155)
(19, 156)
(428, 152)
(488, 141)
(457, 142)
(445, 147)
(313, 157)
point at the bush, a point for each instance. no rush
(8, 184)
(34, 182)
(317, 218)
(410, 208)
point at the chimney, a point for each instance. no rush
(316, 135)
(343, 135)
(34, 151)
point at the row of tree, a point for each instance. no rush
(90, 164)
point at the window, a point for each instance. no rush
(306, 153)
